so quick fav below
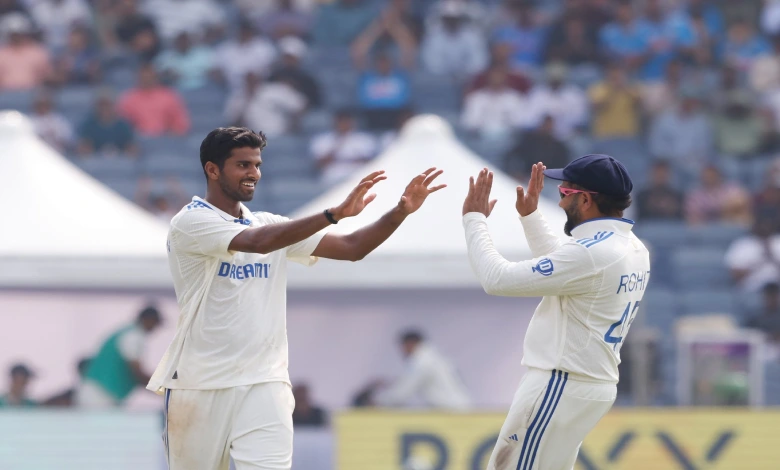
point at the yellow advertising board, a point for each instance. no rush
(631, 439)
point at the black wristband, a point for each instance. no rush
(330, 218)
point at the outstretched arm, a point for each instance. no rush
(358, 244)
(277, 236)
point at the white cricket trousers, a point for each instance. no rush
(551, 414)
(251, 423)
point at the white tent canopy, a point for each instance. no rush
(66, 230)
(429, 249)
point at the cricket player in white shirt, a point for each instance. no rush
(591, 285)
(224, 376)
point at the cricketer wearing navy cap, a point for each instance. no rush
(591, 284)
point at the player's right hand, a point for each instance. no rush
(357, 199)
(528, 201)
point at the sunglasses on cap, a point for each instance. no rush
(563, 192)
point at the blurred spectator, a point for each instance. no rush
(57, 17)
(726, 82)
(615, 105)
(765, 72)
(704, 50)
(50, 125)
(289, 69)
(24, 63)
(659, 200)
(754, 259)
(717, 200)
(115, 370)
(453, 46)
(429, 376)
(743, 45)
(285, 20)
(79, 62)
(16, 397)
(163, 204)
(272, 107)
(740, 132)
(536, 145)
(710, 16)
(770, 17)
(67, 397)
(338, 23)
(566, 103)
(388, 31)
(523, 34)
(571, 42)
(136, 30)
(10, 7)
(667, 34)
(249, 53)
(494, 112)
(383, 93)
(104, 132)
(307, 413)
(152, 108)
(767, 317)
(500, 55)
(343, 150)
(767, 200)
(193, 16)
(186, 66)
(684, 135)
(386, 138)
(661, 95)
(627, 39)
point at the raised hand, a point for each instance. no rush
(528, 201)
(418, 190)
(478, 198)
(357, 199)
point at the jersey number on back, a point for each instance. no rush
(617, 339)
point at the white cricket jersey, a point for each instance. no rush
(592, 285)
(232, 325)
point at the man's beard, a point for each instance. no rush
(232, 193)
(573, 218)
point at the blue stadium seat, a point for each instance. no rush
(662, 234)
(696, 267)
(435, 93)
(166, 145)
(328, 57)
(772, 384)
(211, 97)
(631, 152)
(704, 301)
(315, 121)
(288, 165)
(123, 185)
(286, 145)
(288, 194)
(18, 100)
(714, 235)
(659, 308)
(163, 164)
(102, 167)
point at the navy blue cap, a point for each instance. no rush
(600, 173)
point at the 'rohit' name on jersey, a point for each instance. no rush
(246, 271)
(633, 281)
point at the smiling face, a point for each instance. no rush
(240, 174)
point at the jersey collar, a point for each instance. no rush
(614, 224)
(246, 214)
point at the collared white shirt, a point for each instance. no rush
(592, 285)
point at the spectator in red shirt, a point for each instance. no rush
(154, 109)
(500, 55)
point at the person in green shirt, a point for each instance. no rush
(115, 370)
(17, 392)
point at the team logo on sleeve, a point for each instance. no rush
(543, 267)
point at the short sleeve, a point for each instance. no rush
(131, 345)
(300, 252)
(205, 232)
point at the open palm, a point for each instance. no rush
(357, 199)
(527, 201)
(418, 190)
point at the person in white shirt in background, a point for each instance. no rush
(754, 259)
(50, 125)
(175, 16)
(273, 106)
(338, 153)
(592, 284)
(566, 103)
(453, 45)
(57, 17)
(249, 53)
(429, 377)
(224, 375)
(495, 111)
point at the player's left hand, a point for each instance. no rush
(418, 190)
(478, 198)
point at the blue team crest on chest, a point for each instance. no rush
(544, 267)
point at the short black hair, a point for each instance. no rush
(219, 144)
(149, 312)
(610, 206)
(412, 335)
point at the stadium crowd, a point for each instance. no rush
(685, 92)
